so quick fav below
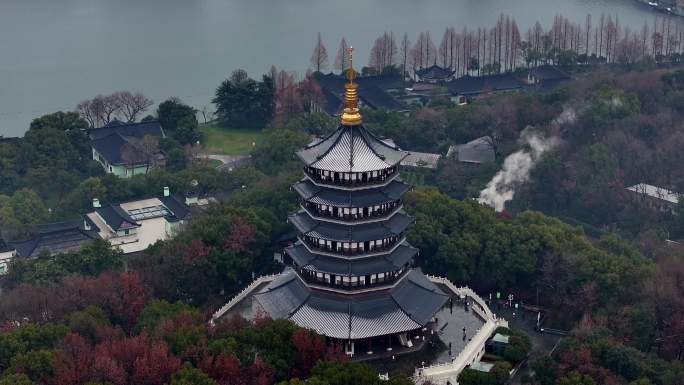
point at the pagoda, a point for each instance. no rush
(352, 276)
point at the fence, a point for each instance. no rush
(241, 295)
(473, 351)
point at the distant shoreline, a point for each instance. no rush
(655, 5)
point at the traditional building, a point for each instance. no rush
(7, 253)
(125, 149)
(134, 225)
(352, 278)
(657, 198)
(374, 92)
(56, 238)
(435, 74)
(547, 77)
(477, 151)
(467, 88)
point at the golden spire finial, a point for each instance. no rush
(351, 115)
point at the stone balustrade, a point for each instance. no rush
(439, 374)
(240, 296)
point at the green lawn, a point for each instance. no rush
(229, 141)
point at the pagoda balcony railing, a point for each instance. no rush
(346, 219)
(380, 181)
(312, 280)
(353, 253)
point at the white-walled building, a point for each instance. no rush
(6, 254)
(135, 225)
(655, 197)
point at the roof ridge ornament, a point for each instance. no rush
(351, 116)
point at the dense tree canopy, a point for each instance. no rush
(469, 243)
(179, 121)
(244, 102)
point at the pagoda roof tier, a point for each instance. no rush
(392, 261)
(351, 149)
(393, 226)
(407, 306)
(345, 198)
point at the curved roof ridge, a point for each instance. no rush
(395, 215)
(322, 140)
(367, 136)
(286, 279)
(413, 274)
(372, 139)
(410, 315)
(351, 149)
(376, 138)
(306, 300)
(334, 143)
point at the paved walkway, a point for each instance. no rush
(227, 161)
(542, 343)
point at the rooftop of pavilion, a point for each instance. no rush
(393, 226)
(351, 149)
(407, 306)
(345, 198)
(393, 260)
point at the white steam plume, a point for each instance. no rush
(516, 169)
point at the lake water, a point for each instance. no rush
(55, 53)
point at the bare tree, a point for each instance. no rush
(431, 53)
(405, 52)
(342, 58)
(444, 49)
(131, 154)
(100, 110)
(131, 105)
(588, 32)
(91, 112)
(111, 107)
(319, 57)
(150, 151)
(288, 99)
(601, 27)
(239, 76)
(384, 52)
(206, 113)
(311, 94)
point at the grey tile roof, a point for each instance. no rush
(549, 72)
(4, 247)
(112, 148)
(328, 317)
(372, 91)
(409, 306)
(333, 103)
(396, 225)
(472, 86)
(479, 150)
(419, 297)
(351, 149)
(177, 207)
(421, 159)
(378, 99)
(335, 83)
(56, 238)
(435, 72)
(341, 198)
(379, 316)
(116, 217)
(136, 130)
(341, 266)
(116, 139)
(282, 297)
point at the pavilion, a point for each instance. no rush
(351, 276)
